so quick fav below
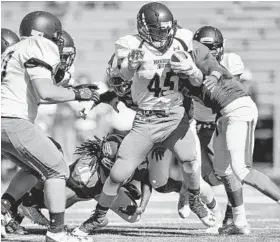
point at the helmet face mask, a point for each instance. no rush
(120, 86)
(156, 25)
(68, 52)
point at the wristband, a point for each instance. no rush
(216, 74)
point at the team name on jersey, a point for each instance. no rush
(162, 63)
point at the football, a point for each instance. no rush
(177, 54)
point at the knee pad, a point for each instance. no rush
(61, 172)
(190, 166)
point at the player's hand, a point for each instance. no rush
(184, 67)
(131, 210)
(86, 94)
(135, 58)
(210, 82)
(158, 153)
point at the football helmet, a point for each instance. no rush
(213, 39)
(120, 86)
(8, 38)
(156, 25)
(40, 23)
(68, 53)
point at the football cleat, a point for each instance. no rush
(13, 227)
(228, 219)
(201, 210)
(96, 221)
(65, 237)
(34, 214)
(218, 215)
(234, 229)
(183, 204)
(5, 218)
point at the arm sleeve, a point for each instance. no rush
(42, 58)
(206, 62)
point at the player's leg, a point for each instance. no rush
(181, 138)
(133, 150)
(233, 187)
(30, 145)
(241, 153)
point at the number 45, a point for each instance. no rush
(170, 82)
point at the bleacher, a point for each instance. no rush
(251, 29)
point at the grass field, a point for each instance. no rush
(161, 223)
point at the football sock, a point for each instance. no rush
(7, 202)
(239, 216)
(263, 183)
(56, 222)
(207, 195)
(109, 193)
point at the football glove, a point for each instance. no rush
(131, 210)
(86, 92)
(135, 58)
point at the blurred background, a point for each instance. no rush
(251, 30)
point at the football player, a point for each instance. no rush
(8, 38)
(165, 176)
(144, 58)
(213, 39)
(87, 176)
(233, 142)
(205, 118)
(26, 78)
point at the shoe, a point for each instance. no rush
(234, 229)
(228, 219)
(218, 214)
(96, 221)
(34, 214)
(183, 204)
(65, 237)
(201, 210)
(5, 218)
(13, 227)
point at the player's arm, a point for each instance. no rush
(207, 63)
(236, 77)
(146, 187)
(39, 63)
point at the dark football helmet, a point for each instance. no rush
(8, 38)
(68, 53)
(42, 24)
(213, 39)
(156, 25)
(120, 86)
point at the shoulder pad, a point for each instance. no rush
(233, 63)
(185, 35)
(124, 44)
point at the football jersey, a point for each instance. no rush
(234, 64)
(154, 75)
(18, 97)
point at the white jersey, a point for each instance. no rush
(234, 64)
(154, 75)
(18, 97)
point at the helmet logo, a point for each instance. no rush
(207, 39)
(36, 33)
(166, 24)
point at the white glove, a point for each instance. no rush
(185, 67)
(135, 58)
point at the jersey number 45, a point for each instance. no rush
(158, 85)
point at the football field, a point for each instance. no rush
(161, 223)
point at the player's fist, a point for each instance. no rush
(86, 93)
(135, 58)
